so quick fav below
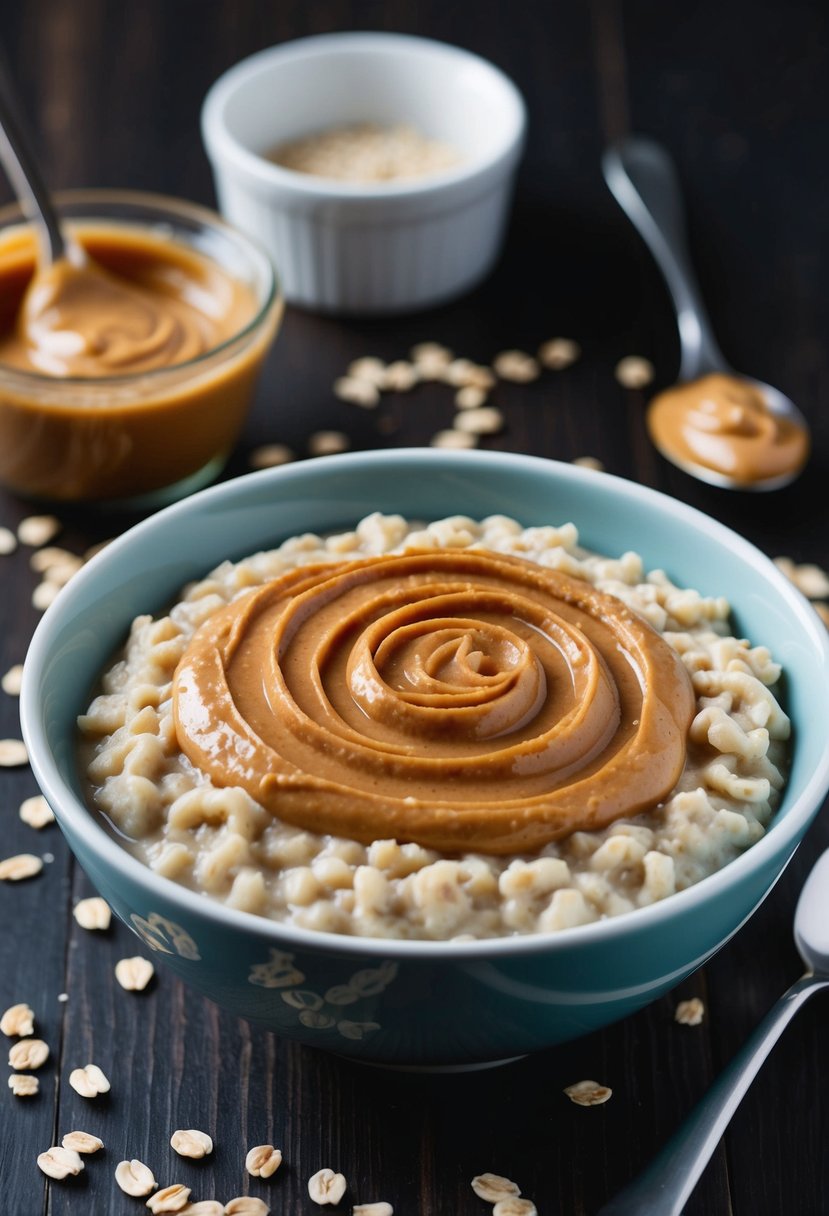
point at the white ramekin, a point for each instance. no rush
(352, 247)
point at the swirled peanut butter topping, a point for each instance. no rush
(462, 700)
(725, 424)
(80, 318)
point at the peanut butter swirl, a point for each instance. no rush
(462, 700)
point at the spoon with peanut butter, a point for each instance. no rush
(723, 428)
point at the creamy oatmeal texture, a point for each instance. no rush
(222, 842)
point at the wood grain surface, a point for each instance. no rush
(739, 95)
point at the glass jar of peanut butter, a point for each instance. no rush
(126, 372)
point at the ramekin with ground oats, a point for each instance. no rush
(501, 824)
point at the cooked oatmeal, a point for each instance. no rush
(222, 842)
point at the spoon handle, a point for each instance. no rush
(24, 175)
(666, 1184)
(644, 182)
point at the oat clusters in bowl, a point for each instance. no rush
(531, 686)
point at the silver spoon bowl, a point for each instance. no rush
(644, 182)
(666, 1185)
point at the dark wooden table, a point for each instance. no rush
(739, 94)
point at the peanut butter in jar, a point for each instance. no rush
(127, 369)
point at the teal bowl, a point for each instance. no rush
(432, 1004)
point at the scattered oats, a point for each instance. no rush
(634, 372)
(326, 1187)
(93, 913)
(27, 1055)
(357, 392)
(37, 530)
(517, 366)
(372, 1209)
(588, 1093)
(454, 439)
(589, 462)
(431, 360)
(492, 1187)
(44, 595)
(94, 550)
(246, 1205)
(89, 1081)
(13, 680)
(513, 1206)
(13, 753)
(263, 1160)
(18, 1021)
(36, 812)
(399, 377)
(135, 1178)
(82, 1142)
(205, 1207)
(8, 541)
(169, 1199)
(369, 368)
(60, 1162)
(24, 865)
(690, 1013)
(487, 420)
(469, 398)
(808, 578)
(328, 443)
(134, 974)
(191, 1143)
(23, 1086)
(823, 612)
(558, 353)
(463, 373)
(270, 455)
(63, 996)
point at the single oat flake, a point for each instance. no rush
(88, 1081)
(454, 439)
(82, 1142)
(205, 1207)
(558, 353)
(328, 443)
(369, 368)
(8, 541)
(23, 1086)
(516, 365)
(634, 372)
(690, 1013)
(27, 1055)
(93, 913)
(23, 865)
(513, 1206)
(246, 1205)
(60, 1162)
(808, 578)
(13, 679)
(485, 420)
(36, 812)
(37, 530)
(44, 595)
(13, 753)
(357, 392)
(135, 1178)
(191, 1143)
(493, 1187)
(170, 1199)
(588, 1093)
(372, 1209)
(134, 974)
(589, 462)
(263, 1160)
(18, 1021)
(270, 456)
(326, 1187)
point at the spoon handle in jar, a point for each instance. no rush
(666, 1184)
(23, 172)
(644, 182)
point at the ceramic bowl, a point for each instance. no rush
(430, 1004)
(367, 247)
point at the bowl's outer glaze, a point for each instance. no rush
(420, 1003)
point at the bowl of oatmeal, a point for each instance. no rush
(377, 168)
(431, 758)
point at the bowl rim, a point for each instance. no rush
(13, 216)
(224, 147)
(781, 837)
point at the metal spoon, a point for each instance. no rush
(644, 182)
(667, 1183)
(24, 174)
